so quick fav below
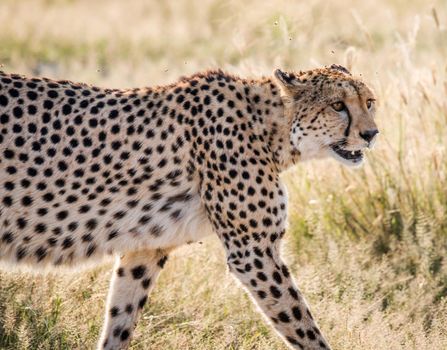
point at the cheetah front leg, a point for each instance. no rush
(133, 278)
(264, 274)
(250, 223)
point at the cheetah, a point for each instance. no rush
(87, 172)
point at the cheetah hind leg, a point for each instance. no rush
(133, 278)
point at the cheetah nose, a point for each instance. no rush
(368, 135)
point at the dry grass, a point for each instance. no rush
(368, 246)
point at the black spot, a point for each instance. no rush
(277, 277)
(87, 237)
(125, 334)
(261, 276)
(285, 271)
(21, 253)
(7, 201)
(48, 197)
(258, 264)
(72, 226)
(138, 271)
(114, 311)
(283, 317)
(8, 153)
(66, 109)
(42, 211)
(17, 112)
(9, 185)
(294, 341)
(3, 100)
(84, 209)
(293, 293)
(142, 302)
(311, 335)
(52, 94)
(129, 308)
(297, 313)
(52, 241)
(62, 215)
(91, 224)
(162, 261)
(7, 237)
(47, 104)
(300, 333)
(27, 201)
(31, 95)
(146, 283)
(117, 332)
(113, 234)
(90, 250)
(41, 228)
(41, 253)
(67, 243)
(11, 170)
(262, 294)
(275, 292)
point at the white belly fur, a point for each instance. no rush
(191, 228)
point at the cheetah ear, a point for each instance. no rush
(340, 68)
(288, 82)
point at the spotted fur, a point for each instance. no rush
(87, 172)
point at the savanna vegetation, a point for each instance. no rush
(368, 246)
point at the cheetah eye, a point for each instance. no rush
(338, 106)
(369, 103)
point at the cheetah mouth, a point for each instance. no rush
(353, 157)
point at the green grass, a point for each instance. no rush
(367, 246)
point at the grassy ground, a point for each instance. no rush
(368, 246)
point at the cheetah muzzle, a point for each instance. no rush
(355, 157)
(87, 172)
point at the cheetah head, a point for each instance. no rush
(330, 112)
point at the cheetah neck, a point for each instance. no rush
(274, 123)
